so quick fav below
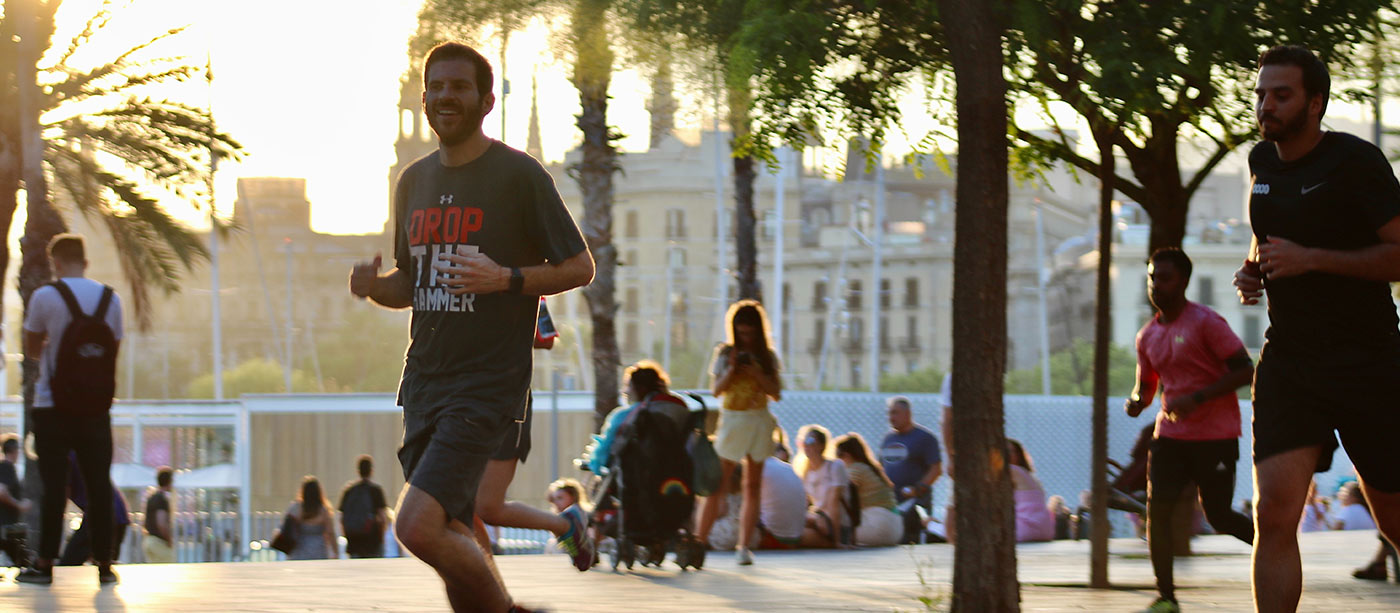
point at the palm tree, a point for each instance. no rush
(588, 40)
(106, 148)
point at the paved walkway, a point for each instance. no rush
(1052, 575)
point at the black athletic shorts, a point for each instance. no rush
(516, 443)
(1172, 464)
(445, 451)
(1301, 400)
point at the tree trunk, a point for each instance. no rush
(1098, 537)
(745, 245)
(984, 567)
(9, 201)
(1158, 168)
(43, 221)
(592, 74)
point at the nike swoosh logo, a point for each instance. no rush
(1308, 189)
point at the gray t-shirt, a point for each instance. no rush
(475, 349)
(49, 314)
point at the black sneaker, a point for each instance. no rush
(36, 576)
(105, 575)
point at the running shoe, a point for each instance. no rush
(744, 557)
(577, 541)
(1163, 605)
(37, 576)
(105, 575)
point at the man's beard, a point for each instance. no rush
(1285, 130)
(468, 127)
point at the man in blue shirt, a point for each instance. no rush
(911, 458)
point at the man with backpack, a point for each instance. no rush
(74, 325)
(363, 514)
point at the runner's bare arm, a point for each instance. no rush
(1249, 281)
(1143, 391)
(477, 273)
(393, 289)
(1241, 373)
(1280, 258)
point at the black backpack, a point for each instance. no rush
(84, 377)
(358, 512)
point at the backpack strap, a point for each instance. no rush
(102, 304)
(69, 299)
(72, 301)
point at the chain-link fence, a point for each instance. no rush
(1057, 432)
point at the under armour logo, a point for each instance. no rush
(445, 199)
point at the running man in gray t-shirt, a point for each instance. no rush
(480, 232)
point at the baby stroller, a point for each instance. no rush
(646, 498)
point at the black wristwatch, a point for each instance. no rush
(1198, 398)
(517, 281)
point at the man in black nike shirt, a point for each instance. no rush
(1325, 208)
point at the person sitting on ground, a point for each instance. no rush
(1314, 517)
(783, 503)
(724, 532)
(1034, 522)
(565, 493)
(825, 481)
(880, 524)
(647, 384)
(1354, 513)
(1063, 515)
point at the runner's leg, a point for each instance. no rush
(1280, 487)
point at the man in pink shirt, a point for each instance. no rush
(1199, 362)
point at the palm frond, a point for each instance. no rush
(94, 24)
(75, 168)
(82, 86)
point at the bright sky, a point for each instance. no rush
(311, 87)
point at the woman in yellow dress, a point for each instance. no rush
(745, 378)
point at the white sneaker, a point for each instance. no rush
(744, 557)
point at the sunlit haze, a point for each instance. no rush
(310, 88)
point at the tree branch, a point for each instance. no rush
(1059, 150)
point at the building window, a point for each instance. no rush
(855, 330)
(819, 296)
(885, 292)
(884, 333)
(629, 338)
(911, 292)
(629, 225)
(912, 325)
(630, 304)
(675, 257)
(855, 373)
(630, 259)
(675, 223)
(1207, 288)
(818, 335)
(853, 296)
(1253, 336)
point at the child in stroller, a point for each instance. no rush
(645, 495)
